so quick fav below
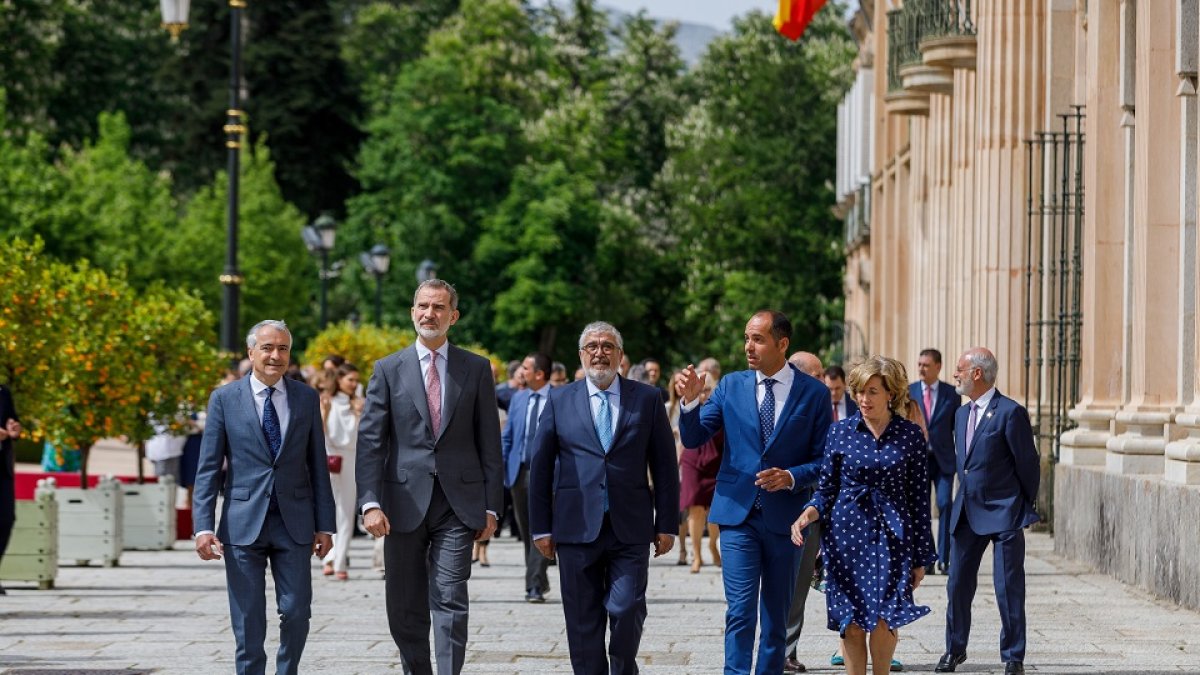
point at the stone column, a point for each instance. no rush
(1183, 455)
(1010, 105)
(1102, 368)
(1153, 290)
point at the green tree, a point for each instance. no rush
(383, 37)
(750, 178)
(280, 276)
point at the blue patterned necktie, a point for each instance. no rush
(766, 425)
(604, 430)
(531, 427)
(270, 424)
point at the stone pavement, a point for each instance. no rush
(166, 612)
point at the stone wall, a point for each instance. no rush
(1140, 529)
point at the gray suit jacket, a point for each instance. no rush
(398, 452)
(299, 475)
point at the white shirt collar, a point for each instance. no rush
(257, 386)
(783, 376)
(613, 387)
(983, 401)
(423, 352)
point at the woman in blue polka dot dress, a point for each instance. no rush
(874, 502)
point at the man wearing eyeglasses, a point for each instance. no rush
(597, 510)
(775, 419)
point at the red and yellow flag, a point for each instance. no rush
(794, 16)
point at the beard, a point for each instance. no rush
(600, 372)
(963, 388)
(429, 333)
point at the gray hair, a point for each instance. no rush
(438, 284)
(602, 327)
(277, 324)
(985, 361)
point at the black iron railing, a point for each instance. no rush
(904, 39)
(944, 18)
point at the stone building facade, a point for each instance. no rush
(1022, 175)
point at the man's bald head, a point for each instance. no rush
(808, 363)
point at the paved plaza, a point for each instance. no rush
(166, 612)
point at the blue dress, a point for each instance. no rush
(874, 503)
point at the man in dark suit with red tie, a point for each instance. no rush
(999, 471)
(598, 511)
(938, 402)
(842, 403)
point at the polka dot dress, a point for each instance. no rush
(874, 503)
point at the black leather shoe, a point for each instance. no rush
(535, 596)
(791, 665)
(2, 591)
(1014, 668)
(949, 662)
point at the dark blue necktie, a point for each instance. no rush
(531, 427)
(270, 424)
(766, 424)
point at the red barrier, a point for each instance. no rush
(26, 483)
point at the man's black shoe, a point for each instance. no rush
(535, 596)
(1014, 668)
(2, 591)
(949, 662)
(791, 665)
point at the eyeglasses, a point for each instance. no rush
(593, 347)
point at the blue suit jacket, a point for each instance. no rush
(797, 444)
(851, 406)
(512, 440)
(299, 475)
(570, 506)
(999, 477)
(941, 425)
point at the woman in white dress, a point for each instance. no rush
(341, 408)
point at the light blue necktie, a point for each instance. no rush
(604, 430)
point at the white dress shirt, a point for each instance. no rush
(614, 400)
(279, 398)
(424, 354)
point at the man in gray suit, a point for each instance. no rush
(266, 431)
(430, 478)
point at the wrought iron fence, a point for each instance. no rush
(904, 37)
(943, 18)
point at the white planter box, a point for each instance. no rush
(32, 553)
(90, 523)
(149, 515)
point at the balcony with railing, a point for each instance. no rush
(948, 40)
(904, 54)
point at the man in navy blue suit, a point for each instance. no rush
(843, 404)
(938, 402)
(775, 419)
(264, 448)
(599, 511)
(998, 474)
(515, 445)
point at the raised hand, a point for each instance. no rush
(689, 384)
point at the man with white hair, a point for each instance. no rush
(998, 476)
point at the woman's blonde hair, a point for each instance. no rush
(892, 374)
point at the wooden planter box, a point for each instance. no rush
(32, 553)
(91, 523)
(150, 518)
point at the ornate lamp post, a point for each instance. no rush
(426, 270)
(319, 238)
(376, 262)
(175, 15)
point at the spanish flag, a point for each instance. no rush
(794, 16)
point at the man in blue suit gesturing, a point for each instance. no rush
(775, 419)
(998, 474)
(524, 411)
(938, 402)
(600, 514)
(266, 429)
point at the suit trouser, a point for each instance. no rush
(536, 564)
(943, 490)
(604, 582)
(427, 572)
(245, 576)
(808, 562)
(1008, 573)
(759, 571)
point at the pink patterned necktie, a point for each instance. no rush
(928, 403)
(433, 394)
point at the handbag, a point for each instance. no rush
(334, 462)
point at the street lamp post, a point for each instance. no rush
(175, 16)
(319, 238)
(376, 262)
(426, 270)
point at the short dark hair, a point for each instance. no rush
(781, 327)
(933, 354)
(335, 359)
(541, 363)
(559, 367)
(836, 372)
(439, 284)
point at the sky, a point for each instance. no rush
(716, 13)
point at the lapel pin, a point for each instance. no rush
(989, 414)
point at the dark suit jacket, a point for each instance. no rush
(797, 444)
(851, 406)
(941, 424)
(571, 506)
(8, 411)
(512, 440)
(299, 476)
(999, 476)
(398, 452)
